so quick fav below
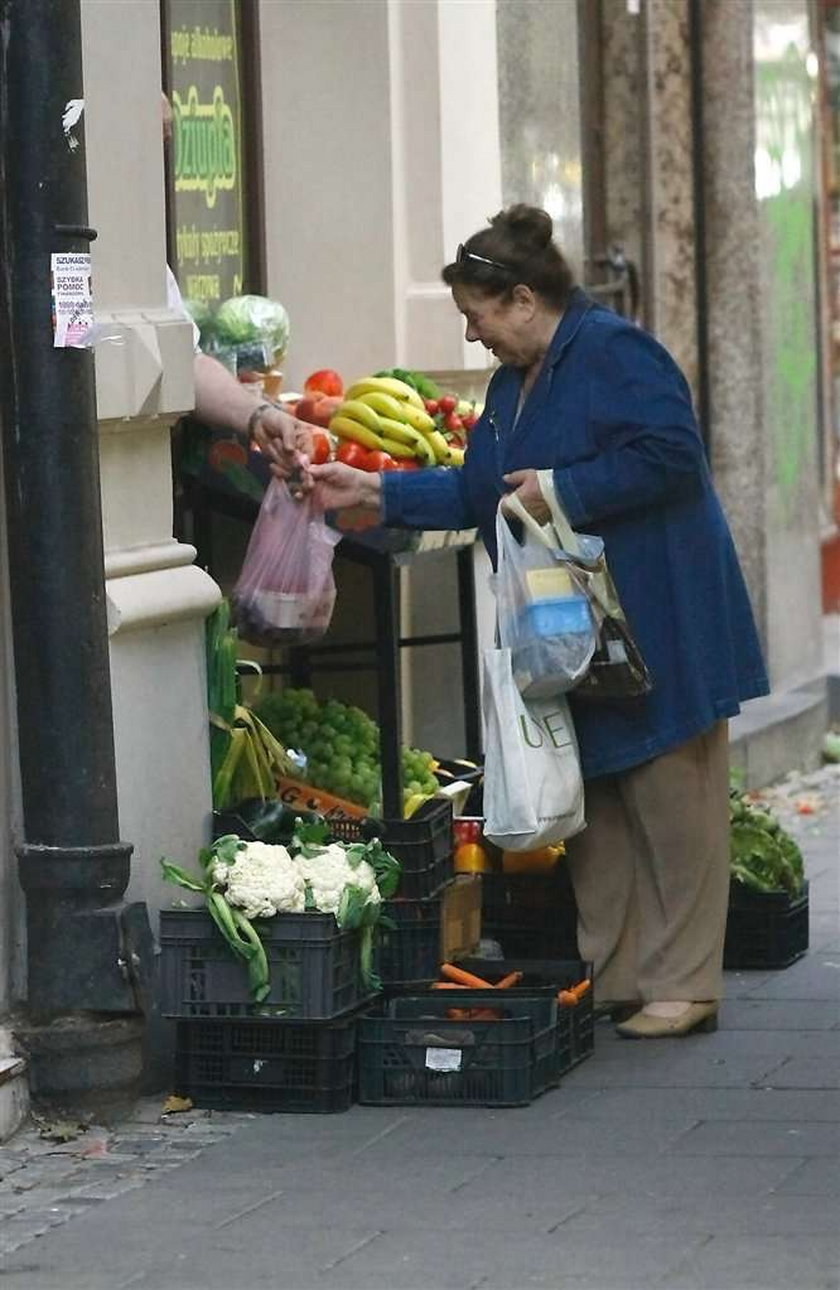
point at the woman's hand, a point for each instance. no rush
(338, 487)
(524, 483)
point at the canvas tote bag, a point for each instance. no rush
(533, 788)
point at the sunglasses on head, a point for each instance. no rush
(462, 255)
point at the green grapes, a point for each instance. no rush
(341, 745)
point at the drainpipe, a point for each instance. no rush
(87, 951)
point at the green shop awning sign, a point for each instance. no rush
(207, 148)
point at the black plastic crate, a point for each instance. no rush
(265, 1065)
(413, 1053)
(422, 843)
(575, 1024)
(765, 929)
(423, 846)
(314, 968)
(531, 915)
(408, 952)
(342, 829)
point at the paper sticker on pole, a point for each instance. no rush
(72, 302)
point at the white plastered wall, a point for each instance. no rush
(364, 204)
(157, 598)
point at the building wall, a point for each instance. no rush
(362, 211)
(757, 261)
(786, 191)
(329, 222)
(539, 114)
(157, 599)
(763, 316)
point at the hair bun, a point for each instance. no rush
(526, 224)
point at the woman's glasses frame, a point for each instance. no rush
(462, 255)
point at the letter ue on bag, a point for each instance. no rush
(554, 726)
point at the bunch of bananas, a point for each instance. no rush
(385, 414)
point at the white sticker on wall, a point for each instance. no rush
(72, 301)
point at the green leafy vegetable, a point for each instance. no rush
(243, 319)
(763, 856)
(424, 385)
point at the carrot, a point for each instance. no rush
(512, 978)
(446, 985)
(485, 1014)
(473, 1014)
(464, 978)
(574, 994)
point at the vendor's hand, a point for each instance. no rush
(287, 443)
(338, 487)
(524, 483)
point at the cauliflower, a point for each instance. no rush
(329, 871)
(262, 881)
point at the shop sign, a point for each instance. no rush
(207, 219)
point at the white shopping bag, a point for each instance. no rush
(533, 788)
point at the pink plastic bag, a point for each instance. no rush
(286, 590)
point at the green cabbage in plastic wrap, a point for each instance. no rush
(202, 316)
(244, 319)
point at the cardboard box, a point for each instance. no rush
(294, 793)
(460, 917)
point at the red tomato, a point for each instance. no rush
(320, 448)
(405, 463)
(432, 406)
(377, 460)
(466, 829)
(448, 403)
(453, 423)
(325, 381)
(352, 454)
(469, 420)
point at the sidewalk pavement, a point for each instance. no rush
(705, 1163)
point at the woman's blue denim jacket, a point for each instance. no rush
(611, 414)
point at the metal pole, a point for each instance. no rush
(73, 867)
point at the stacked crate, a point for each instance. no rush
(476, 1047)
(433, 916)
(296, 1050)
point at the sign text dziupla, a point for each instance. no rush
(209, 220)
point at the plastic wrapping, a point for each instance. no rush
(543, 613)
(286, 591)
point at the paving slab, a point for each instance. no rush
(709, 1163)
(768, 1263)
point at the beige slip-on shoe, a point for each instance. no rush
(644, 1025)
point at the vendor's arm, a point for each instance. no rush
(648, 451)
(221, 400)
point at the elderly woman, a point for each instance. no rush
(585, 393)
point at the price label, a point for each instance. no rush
(443, 1059)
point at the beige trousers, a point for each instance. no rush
(651, 875)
